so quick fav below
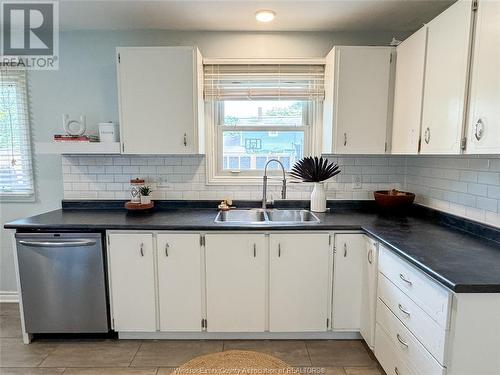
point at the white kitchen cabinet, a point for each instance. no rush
(357, 111)
(446, 76)
(160, 92)
(132, 280)
(179, 281)
(408, 93)
(484, 111)
(369, 291)
(350, 251)
(300, 279)
(236, 282)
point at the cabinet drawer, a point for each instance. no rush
(407, 345)
(427, 294)
(387, 355)
(428, 332)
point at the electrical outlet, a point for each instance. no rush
(161, 183)
(356, 181)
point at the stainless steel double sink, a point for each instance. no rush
(266, 216)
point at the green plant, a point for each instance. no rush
(145, 191)
(314, 169)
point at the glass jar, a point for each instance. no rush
(135, 190)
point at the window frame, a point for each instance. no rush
(21, 82)
(214, 115)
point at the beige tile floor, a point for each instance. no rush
(150, 357)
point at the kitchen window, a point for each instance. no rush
(257, 113)
(16, 172)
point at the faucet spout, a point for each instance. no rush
(265, 178)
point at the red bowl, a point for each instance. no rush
(393, 200)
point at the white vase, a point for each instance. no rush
(318, 198)
(145, 199)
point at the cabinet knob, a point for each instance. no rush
(396, 371)
(427, 135)
(254, 250)
(279, 250)
(167, 246)
(185, 139)
(479, 129)
(402, 277)
(370, 256)
(345, 139)
(403, 310)
(401, 341)
(345, 250)
(141, 249)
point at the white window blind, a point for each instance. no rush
(283, 82)
(16, 172)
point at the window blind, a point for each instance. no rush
(16, 171)
(286, 82)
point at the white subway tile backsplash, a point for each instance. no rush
(463, 185)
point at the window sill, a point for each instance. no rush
(17, 198)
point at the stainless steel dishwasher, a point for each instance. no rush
(62, 282)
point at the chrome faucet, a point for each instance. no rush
(264, 186)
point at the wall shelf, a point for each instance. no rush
(77, 148)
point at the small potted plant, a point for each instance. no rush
(145, 192)
(315, 170)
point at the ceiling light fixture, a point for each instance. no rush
(265, 15)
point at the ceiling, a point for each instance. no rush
(239, 15)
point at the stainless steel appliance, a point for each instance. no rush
(62, 282)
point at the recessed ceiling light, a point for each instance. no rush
(265, 15)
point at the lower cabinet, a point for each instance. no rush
(132, 279)
(179, 282)
(299, 287)
(350, 250)
(236, 281)
(369, 291)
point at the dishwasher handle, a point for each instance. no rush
(73, 243)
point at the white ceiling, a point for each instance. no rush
(239, 15)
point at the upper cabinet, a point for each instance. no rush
(408, 93)
(446, 78)
(484, 112)
(160, 93)
(358, 100)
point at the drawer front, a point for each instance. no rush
(407, 346)
(429, 295)
(387, 355)
(428, 332)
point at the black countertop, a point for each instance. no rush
(444, 248)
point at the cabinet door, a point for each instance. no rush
(158, 99)
(369, 291)
(236, 274)
(347, 281)
(448, 48)
(358, 98)
(179, 282)
(300, 268)
(408, 93)
(132, 279)
(484, 119)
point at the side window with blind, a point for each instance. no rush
(16, 172)
(260, 112)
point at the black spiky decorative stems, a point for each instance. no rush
(314, 169)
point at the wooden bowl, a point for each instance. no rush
(393, 200)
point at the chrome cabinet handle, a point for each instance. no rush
(396, 371)
(345, 139)
(185, 139)
(142, 249)
(479, 129)
(345, 250)
(403, 310)
(254, 250)
(402, 277)
(370, 256)
(401, 341)
(279, 250)
(427, 135)
(167, 246)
